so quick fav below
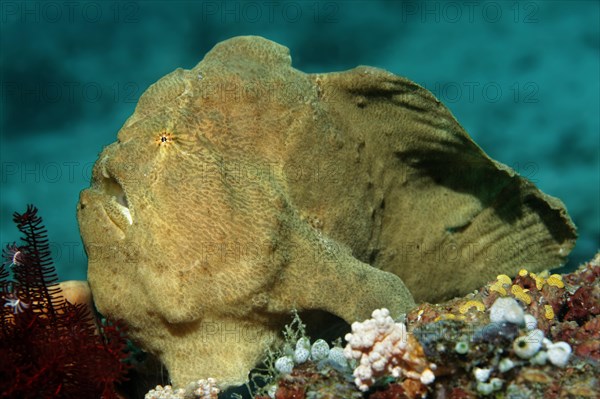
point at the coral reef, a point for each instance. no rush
(201, 389)
(50, 344)
(383, 347)
(242, 187)
(510, 347)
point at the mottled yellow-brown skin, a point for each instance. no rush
(253, 188)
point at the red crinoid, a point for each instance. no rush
(50, 348)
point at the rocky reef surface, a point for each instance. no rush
(532, 336)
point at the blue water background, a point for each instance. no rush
(521, 77)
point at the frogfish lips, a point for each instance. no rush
(106, 200)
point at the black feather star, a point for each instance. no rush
(51, 348)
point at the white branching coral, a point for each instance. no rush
(201, 389)
(166, 392)
(383, 347)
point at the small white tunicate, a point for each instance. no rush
(485, 388)
(559, 353)
(540, 358)
(461, 347)
(528, 345)
(506, 309)
(284, 365)
(301, 355)
(302, 352)
(303, 343)
(530, 322)
(505, 364)
(337, 359)
(319, 350)
(496, 383)
(481, 375)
